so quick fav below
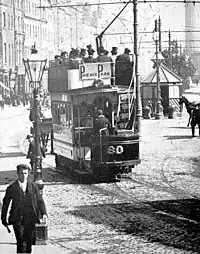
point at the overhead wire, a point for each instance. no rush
(122, 2)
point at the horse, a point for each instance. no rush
(195, 118)
(188, 106)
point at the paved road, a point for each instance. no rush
(124, 217)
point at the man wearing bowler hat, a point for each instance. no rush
(27, 207)
(90, 58)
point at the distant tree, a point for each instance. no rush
(180, 63)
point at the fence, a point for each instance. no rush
(169, 103)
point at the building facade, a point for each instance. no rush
(52, 30)
(12, 45)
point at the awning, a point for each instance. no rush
(5, 87)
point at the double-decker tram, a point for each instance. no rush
(77, 93)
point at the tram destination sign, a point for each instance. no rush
(95, 71)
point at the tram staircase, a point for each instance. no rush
(126, 111)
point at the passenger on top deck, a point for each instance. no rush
(82, 54)
(64, 56)
(90, 58)
(114, 54)
(103, 57)
(123, 68)
(57, 59)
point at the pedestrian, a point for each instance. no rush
(27, 208)
(31, 152)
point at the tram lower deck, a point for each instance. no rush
(90, 156)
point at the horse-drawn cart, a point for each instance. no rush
(45, 127)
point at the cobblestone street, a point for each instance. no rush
(146, 214)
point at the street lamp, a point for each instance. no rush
(34, 66)
(157, 59)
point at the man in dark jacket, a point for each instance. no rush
(101, 122)
(123, 68)
(90, 58)
(103, 57)
(31, 151)
(26, 209)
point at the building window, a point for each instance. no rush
(27, 31)
(20, 58)
(5, 53)
(8, 21)
(10, 57)
(29, 7)
(11, 21)
(17, 57)
(22, 24)
(4, 19)
(18, 23)
(13, 60)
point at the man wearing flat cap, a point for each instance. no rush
(27, 207)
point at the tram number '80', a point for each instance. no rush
(115, 149)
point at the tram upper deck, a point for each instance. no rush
(67, 76)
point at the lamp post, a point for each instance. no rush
(157, 59)
(34, 66)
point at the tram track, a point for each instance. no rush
(165, 186)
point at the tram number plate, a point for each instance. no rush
(115, 149)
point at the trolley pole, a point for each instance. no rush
(137, 75)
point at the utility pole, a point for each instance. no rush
(158, 103)
(159, 31)
(137, 75)
(57, 28)
(169, 51)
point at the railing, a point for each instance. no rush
(101, 143)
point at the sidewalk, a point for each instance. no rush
(12, 111)
(8, 244)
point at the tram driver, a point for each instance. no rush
(101, 122)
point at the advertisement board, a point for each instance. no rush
(95, 71)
